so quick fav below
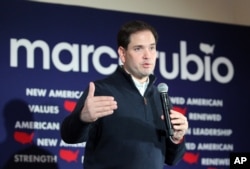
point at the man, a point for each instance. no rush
(120, 117)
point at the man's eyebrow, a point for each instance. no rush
(138, 46)
(152, 44)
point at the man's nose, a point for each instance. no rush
(147, 54)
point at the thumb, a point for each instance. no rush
(91, 89)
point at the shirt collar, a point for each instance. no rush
(141, 86)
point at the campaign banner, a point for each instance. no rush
(49, 53)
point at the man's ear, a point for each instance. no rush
(121, 51)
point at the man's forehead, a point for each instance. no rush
(142, 38)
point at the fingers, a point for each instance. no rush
(179, 121)
(91, 89)
(176, 117)
(97, 106)
(180, 125)
(104, 105)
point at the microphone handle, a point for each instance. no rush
(166, 113)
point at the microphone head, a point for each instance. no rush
(162, 88)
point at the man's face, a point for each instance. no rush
(140, 56)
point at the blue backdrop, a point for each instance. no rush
(49, 53)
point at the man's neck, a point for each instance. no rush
(140, 80)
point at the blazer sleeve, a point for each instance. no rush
(174, 152)
(73, 130)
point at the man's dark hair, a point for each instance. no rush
(123, 36)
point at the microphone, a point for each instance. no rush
(163, 90)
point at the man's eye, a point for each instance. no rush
(152, 47)
(137, 49)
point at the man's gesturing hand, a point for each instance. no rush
(97, 106)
